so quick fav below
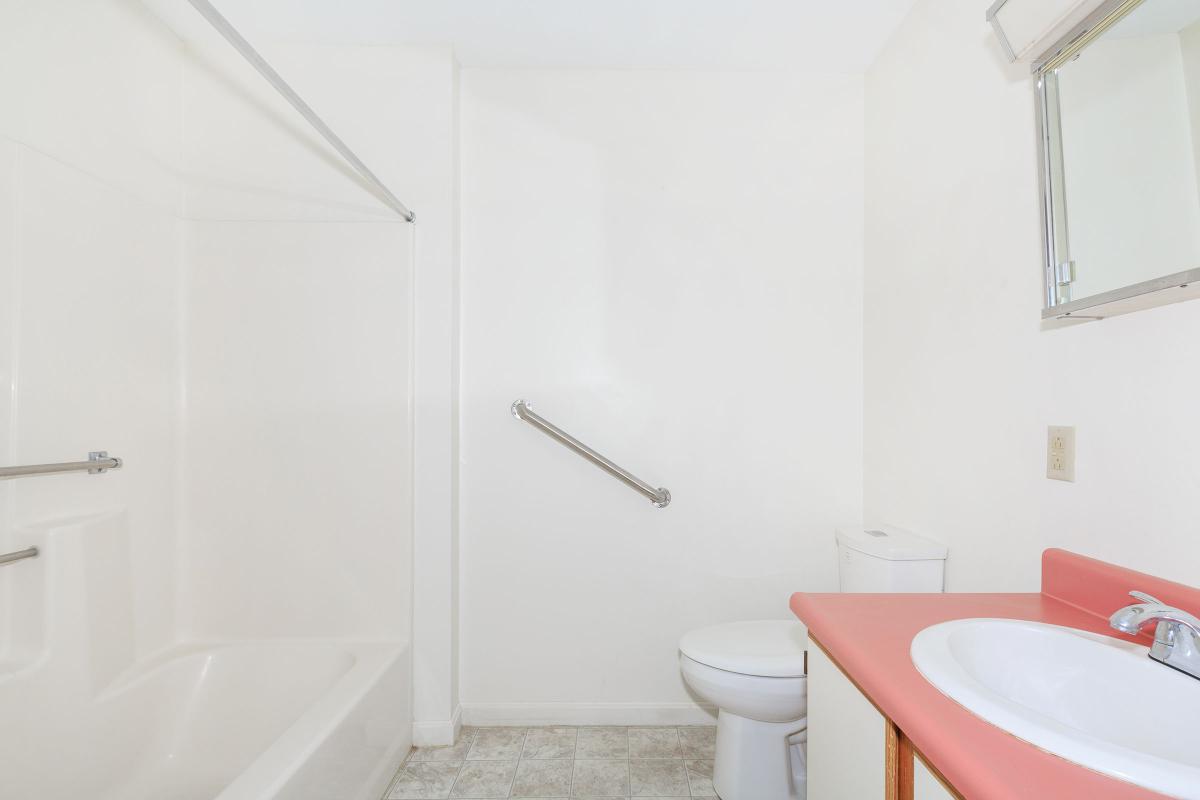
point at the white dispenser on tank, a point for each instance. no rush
(887, 559)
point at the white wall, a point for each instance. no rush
(960, 381)
(397, 107)
(667, 264)
(88, 264)
(1128, 155)
(1189, 49)
(297, 494)
(298, 431)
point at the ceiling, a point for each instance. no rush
(834, 35)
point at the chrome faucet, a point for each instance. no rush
(1176, 639)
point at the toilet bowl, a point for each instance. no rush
(753, 672)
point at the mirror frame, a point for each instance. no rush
(1057, 270)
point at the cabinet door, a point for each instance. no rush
(846, 735)
(926, 786)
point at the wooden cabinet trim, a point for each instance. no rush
(898, 763)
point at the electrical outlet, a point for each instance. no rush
(1060, 453)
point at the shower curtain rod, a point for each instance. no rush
(247, 51)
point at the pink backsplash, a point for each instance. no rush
(1100, 588)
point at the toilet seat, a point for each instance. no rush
(765, 648)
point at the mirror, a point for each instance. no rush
(1120, 120)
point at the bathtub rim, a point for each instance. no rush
(274, 767)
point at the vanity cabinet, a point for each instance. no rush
(854, 751)
(926, 785)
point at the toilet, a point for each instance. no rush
(754, 672)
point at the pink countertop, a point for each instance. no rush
(870, 635)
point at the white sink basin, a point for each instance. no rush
(1094, 700)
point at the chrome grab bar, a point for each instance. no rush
(522, 410)
(98, 462)
(20, 555)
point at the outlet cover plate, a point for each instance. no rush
(1060, 453)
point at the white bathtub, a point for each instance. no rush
(304, 720)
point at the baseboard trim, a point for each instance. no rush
(435, 734)
(485, 714)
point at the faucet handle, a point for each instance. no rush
(1145, 598)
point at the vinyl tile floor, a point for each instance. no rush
(555, 763)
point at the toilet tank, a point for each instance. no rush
(887, 559)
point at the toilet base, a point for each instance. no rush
(754, 760)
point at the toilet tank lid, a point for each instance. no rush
(764, 648)
(890, 543)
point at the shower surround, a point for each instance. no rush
(189, 281)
